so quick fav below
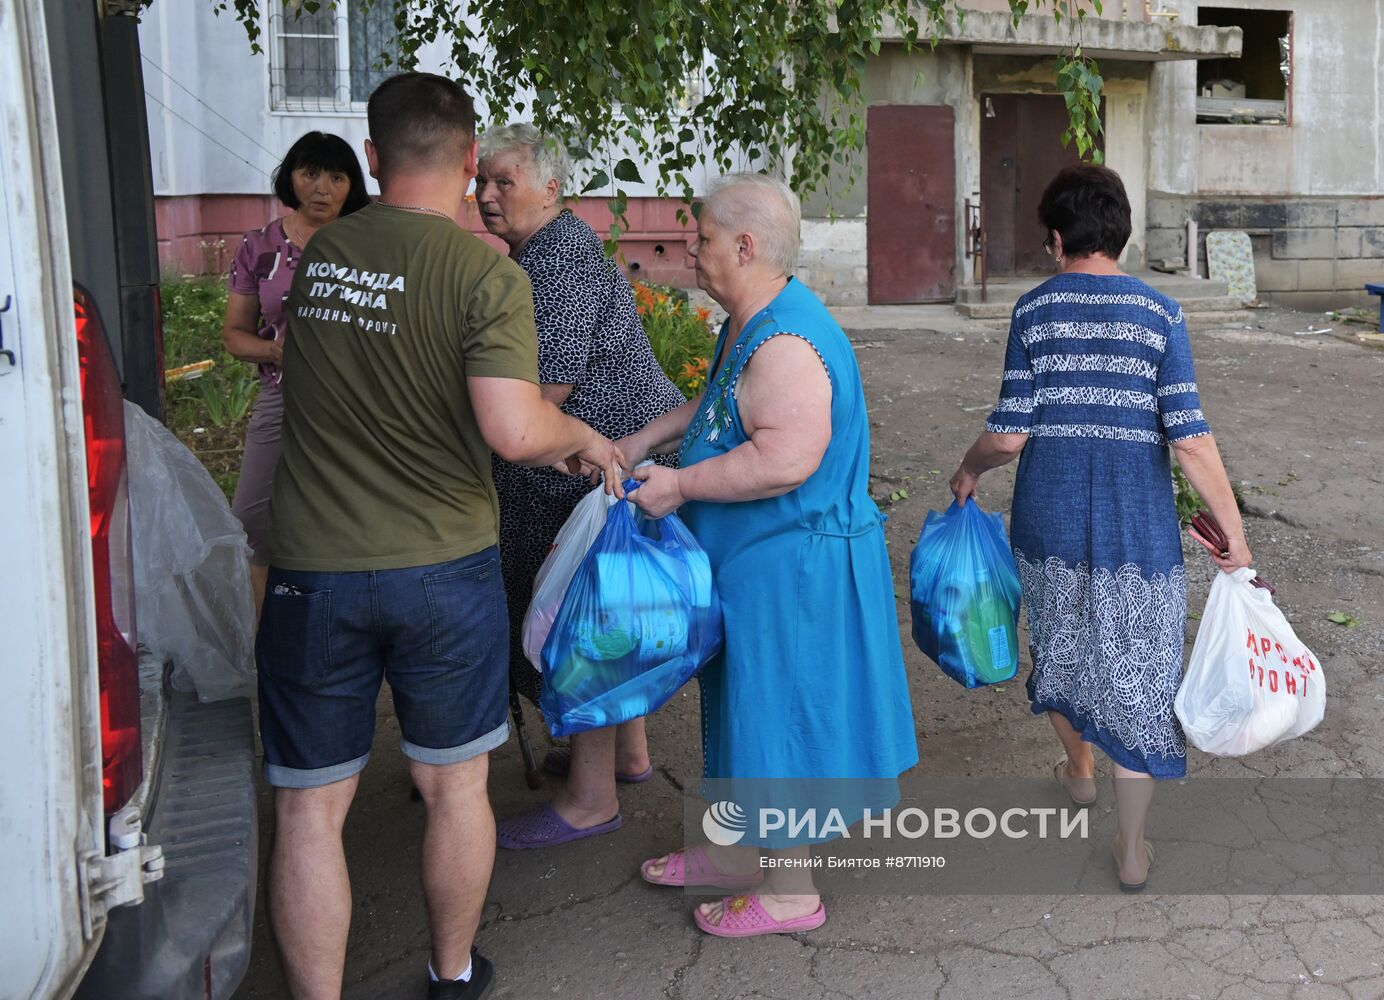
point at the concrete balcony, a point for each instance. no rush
(994, 33)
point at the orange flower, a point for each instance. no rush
(703, 314)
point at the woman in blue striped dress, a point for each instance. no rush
(1098, 382)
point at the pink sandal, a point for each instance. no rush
(744, 916)
(691, 868)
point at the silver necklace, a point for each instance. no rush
(414, 208)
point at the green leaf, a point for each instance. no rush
(598, 180)
(784, 78)
(1341, 618)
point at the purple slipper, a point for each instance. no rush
(543, 827)
(558, 763)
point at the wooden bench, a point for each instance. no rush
(1378, 290)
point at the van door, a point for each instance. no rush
(51, 821)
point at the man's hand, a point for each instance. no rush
(659, 492)
(600, 456)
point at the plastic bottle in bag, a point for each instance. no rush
(640, 618)
(965, 595)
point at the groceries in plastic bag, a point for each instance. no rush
(559, 566)
(965, 595)
(640, 618)
(191, 562)
(1251, 682)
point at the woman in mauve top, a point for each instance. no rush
(318, 180)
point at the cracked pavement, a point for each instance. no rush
(1298, 421)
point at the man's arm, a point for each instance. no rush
(522, 427)
(556, 392)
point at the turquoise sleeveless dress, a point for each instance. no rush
(811, 683)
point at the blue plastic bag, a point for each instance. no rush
(965, 595)
(639, 619)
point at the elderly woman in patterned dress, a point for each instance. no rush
(595, 362)
(1098, 382)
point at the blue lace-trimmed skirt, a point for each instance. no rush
(1099, 552)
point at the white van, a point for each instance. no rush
(127, 823)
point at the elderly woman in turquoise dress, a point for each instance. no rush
(773, 481)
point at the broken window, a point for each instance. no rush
(1254, 89)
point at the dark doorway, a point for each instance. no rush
(910, 227)
(1020, 152)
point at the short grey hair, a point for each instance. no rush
(548, 155)
(763, 206)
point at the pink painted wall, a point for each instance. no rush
(198, 234)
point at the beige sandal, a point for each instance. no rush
(1057, 772)
(1133, 886)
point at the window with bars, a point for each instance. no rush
(332, 58)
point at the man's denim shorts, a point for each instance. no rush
(438, 633)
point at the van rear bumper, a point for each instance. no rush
(191, 935)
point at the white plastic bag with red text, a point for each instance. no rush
(1251, 682)
(569, 548)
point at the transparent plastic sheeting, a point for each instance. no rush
(965, 595)
(192, 569)
(639, 619)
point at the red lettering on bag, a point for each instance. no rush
(1281, 655)
(1273, 681)
(1290, 682)
(1261, 676)
(1265, 645)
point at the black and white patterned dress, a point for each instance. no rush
(589, 337)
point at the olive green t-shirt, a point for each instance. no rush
(383, 464)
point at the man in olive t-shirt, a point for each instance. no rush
(410, 355)
(384, 463)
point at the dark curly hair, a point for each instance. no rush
(321, 151)
(1088, 206)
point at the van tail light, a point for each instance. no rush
(112, 562)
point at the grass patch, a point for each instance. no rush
(1188, 501)
(208, 414)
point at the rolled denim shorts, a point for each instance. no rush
(438, 634)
